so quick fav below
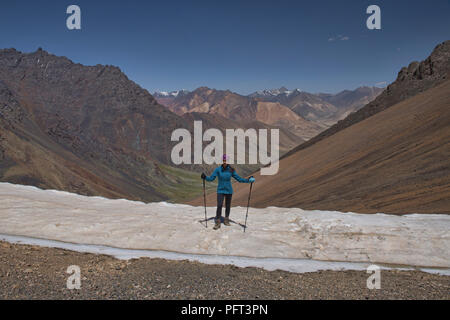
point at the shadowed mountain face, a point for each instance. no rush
(349, 99)
(82, 129)
(392, 156)
(347, 102)
(307, 105)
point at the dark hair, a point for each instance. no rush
(228, 166)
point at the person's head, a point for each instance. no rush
(224, 159)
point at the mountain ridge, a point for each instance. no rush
(242, 109)
(83, 129)
(315, 108)
(411, 80)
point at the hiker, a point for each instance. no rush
(224, 189)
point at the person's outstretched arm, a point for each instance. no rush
(238, 178)
(212, 177)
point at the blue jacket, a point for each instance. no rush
(225, 175)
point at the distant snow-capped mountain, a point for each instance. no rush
(171, 94)
(271, 93)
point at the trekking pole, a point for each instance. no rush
(204, 199)
(248, 204)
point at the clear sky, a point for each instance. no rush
(241, 45)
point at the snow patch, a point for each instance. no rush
(288, 238)
(270, 264)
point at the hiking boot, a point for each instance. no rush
(217, 225)
(226, 221)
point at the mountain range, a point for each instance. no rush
(90, 130)
(304, 114)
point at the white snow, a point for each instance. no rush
(292, 265)
(288, 239)
(275, 92)
(173, 94)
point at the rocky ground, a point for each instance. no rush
(31, 272)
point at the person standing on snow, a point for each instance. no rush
(224, 189)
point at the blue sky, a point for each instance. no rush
(238, 45)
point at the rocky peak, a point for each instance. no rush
(436, 67)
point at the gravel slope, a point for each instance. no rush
(30, 272)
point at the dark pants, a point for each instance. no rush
(220, 197)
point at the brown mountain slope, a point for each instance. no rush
(275, 114)
(82, 129)
(396, 161)
(411, 80)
